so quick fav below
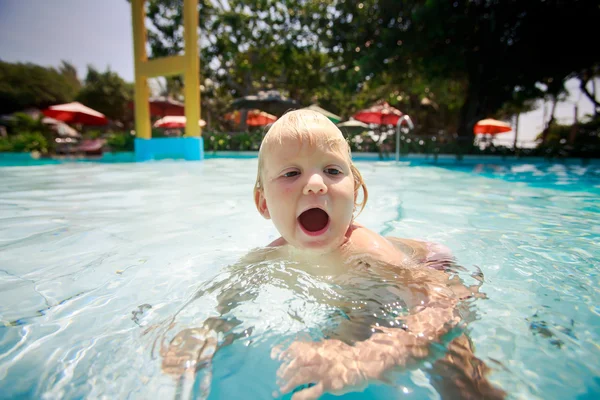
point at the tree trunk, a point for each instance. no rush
(596, 104)
(516, 131)
(243, 127)
(591, 96)
(471, 112)
(573, 133)
(551, 120)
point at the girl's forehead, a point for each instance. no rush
(292, 144)
(313, 134)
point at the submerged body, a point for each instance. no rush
(382, 316)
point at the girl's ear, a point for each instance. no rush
(261, 203)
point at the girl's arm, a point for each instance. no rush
(336, 366)
(193, 348)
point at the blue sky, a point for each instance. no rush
(83, 32)
(98, 32)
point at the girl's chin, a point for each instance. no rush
(320, 244)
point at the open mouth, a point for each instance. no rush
(314, 221)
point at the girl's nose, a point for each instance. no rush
(315, 185)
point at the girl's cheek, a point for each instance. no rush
(287, 190)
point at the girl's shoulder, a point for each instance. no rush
(435, 255)
(277, 242)
(261, 254)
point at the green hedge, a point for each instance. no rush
(237, 141)
(120, 141)
(24, 142)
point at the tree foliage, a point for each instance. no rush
(445, 63)
(25, 86)
(106, 92)
(494, 46)
(246, 46)
(448, 63)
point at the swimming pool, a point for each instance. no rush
(93, 256)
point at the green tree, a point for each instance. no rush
(69, 71)
(32, 86)
(246, 46)
(106, 92)
(491, 45)
(521, 102)
(589, 75)
(448, 64)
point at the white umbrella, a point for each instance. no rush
(174, 121)
(60, 127)
(334, 118)
(353, 124)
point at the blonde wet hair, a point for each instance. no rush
(296, 124)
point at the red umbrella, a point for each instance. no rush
(254, 118)
(75, 113)
(381, 113)
(174, 121)
(491, 127)
(162, 105)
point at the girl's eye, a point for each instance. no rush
(291, 174)
(333, 171)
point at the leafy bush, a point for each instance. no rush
(20, 129)
(28, 142)
(23, 122)
(581, 140)
(120, 141)
(93, 134)
(218, 141)
(6, 144)
(245, 141)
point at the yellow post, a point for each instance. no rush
(192, 66)
(188, 64)
(142, 108)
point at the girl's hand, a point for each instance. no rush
(188, 351)
(327, 366)
(335, 367)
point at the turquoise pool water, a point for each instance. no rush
(95, 257)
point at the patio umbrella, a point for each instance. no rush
(60, 128)
(253, 118)
(353, 126)
(491, 127)
(381, 113)
(271, 101)
(332, 117)
(75, 113)
(174, 121)
(163, 105)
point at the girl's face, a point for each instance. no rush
(308, 191)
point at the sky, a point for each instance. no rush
(99, 33)
(82, 32)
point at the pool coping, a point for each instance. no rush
(26, 159)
